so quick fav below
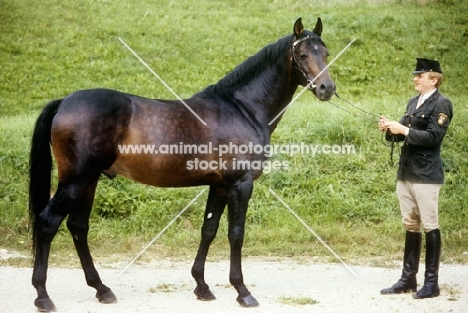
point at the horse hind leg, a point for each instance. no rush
(47, 226)
(214, 209)
(78, 225)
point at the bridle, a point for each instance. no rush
(296, 64)
(310, 83)
(311, 86)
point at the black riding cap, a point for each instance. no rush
(425, 65)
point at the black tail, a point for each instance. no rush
(40, 166)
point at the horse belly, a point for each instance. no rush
(165, 171)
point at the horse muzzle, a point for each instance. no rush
(324, 91)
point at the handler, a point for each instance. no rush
(420, 176)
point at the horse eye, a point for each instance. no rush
(303, 56)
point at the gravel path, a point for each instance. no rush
(167, 286)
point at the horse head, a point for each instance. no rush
(309, 55)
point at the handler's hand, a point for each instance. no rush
(395, 128)
(382, 122)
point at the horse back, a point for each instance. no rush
(102, 130)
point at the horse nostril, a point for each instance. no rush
(326, 90)
(327, 87)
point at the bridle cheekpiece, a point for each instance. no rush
(296, 64)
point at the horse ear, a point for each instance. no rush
(298, 28)
(318, 27)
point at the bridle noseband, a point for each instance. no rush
(296, 64)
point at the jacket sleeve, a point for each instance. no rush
(396, 138)
(438, 123)
(399, 137)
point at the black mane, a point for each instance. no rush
(252, 67)
(248, 69)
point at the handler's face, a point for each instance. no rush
(423, 84)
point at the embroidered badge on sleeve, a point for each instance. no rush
(442, 119)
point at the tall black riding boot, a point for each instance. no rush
(431, 276)
(407, 282)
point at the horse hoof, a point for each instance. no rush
(45, 305)
(204, 294)
(248, 301)
(106, 296)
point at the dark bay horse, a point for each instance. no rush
(86, 129)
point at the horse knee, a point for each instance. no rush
(209, 233)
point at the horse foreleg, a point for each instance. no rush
(238, 200)
(78, 225)
(214, 209)
(47, 226)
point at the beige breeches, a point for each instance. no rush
(419, 205)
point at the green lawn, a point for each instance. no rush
(51, 48)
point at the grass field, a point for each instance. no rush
(51, 48)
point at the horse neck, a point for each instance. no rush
(267, 94)
(284, 94)
(260, 87)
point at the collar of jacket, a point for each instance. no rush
(414, 100)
